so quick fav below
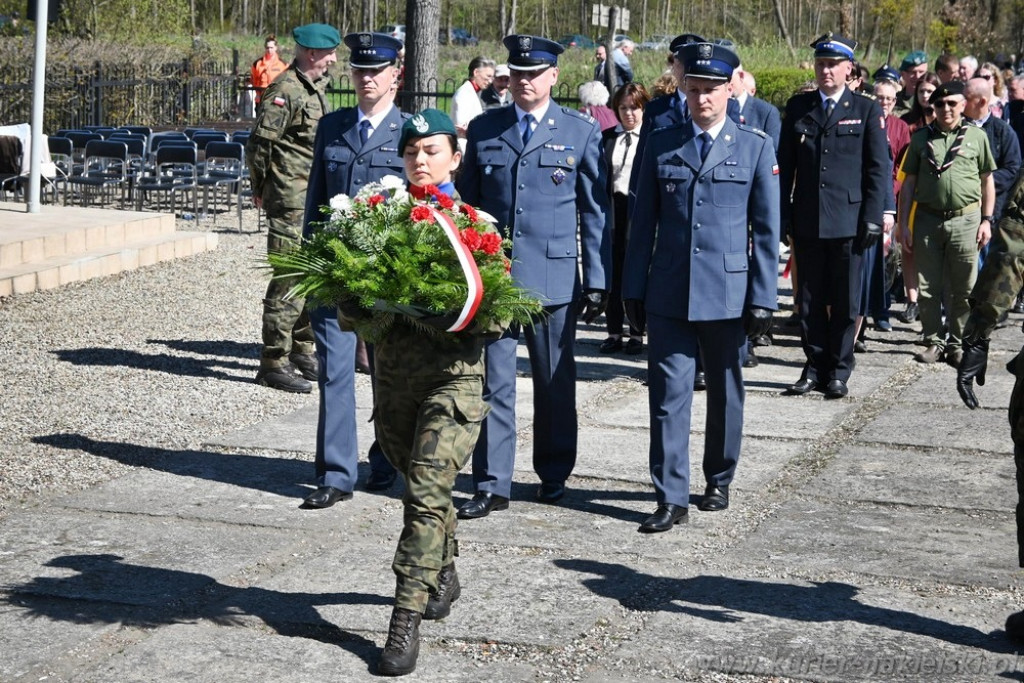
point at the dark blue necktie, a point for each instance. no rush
(364, 131)
(705, 145)
(830, 104)
(527, 128)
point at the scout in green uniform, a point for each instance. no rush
(428, 409)
(993, 295)
(279, 154)
(948, 169)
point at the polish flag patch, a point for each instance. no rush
(775, 169)
(280, 101)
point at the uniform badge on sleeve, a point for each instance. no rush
(280, 101)
(488, 170)
(670, 187)
(558, 176)
(332, 166)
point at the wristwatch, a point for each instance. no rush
(987, 218)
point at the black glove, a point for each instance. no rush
(757, 321)
(592, 304)
(871, 233)
(636, 313)
(973, 365)
(350, 309)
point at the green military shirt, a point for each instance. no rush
(904, 101)
(280, 149)
(960, 184)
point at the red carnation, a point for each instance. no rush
(470, 212)
(471, 238)
(431, 190)
(421, 213)
(445, 201)
(490, 243)
(376, 199)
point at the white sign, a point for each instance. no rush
(599, 17)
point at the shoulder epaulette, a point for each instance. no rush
(586, 117)
(751, 129)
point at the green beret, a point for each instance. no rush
(916, 58)
(428, 122)
(316, 36)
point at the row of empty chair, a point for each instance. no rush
(152, 169)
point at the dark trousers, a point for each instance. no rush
(829, 289)
(615, 315)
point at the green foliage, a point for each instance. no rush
(779, 84)
(384, 253)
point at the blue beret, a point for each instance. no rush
(886, 73)
(372, 50)
(427, 122)
(531, 53)
(316, 36)
(834, 46)
(684, 39)
(707, 60)
(916, 58)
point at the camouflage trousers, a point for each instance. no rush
(428, 426)
(1016, 415)
(286, 328)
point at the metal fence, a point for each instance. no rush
(187, 93)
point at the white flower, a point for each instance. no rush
(392, 182)
(487, 217)
(399, 193)
(369, 190)
(340, 205)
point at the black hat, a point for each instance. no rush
(886, 73)
(834, 46)
(372, 50)
(945, 90)
(531, 53)
(683, 39)
(707, 60)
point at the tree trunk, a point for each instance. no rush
(423, 21)
(782, 26)
(510, 27)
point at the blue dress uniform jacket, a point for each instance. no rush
(1006, 150)
(832, 198)
(703, 247)
(343, 165)
(762, 115)
(543, 196)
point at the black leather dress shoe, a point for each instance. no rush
(836, 389)
(715, 498)
(751, 360)
(801, 387)
(665, 517)
(324, 497)
(1015, 626)
(700, 382)
(379, 481)
(550, 491)
(482, 504)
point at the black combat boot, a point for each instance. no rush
(439, 604)
(306, 364)
(403, 646)
(284, 379)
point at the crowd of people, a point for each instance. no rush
(664, 209)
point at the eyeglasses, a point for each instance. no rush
(946, 104)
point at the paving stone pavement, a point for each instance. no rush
(870, 538)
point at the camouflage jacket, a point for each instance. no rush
(1003, 274)
(280, 149)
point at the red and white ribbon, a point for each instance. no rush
(475, 288)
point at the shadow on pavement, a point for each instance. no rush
(149, 597)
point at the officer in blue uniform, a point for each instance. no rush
(538, 168)
(353, 147)
(834, 174)
(707, 189)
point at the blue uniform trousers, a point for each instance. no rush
(673, 348)
(553, 365)
(337, 451)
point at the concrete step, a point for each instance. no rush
(59, 245)
(60, 231)
(65, 268)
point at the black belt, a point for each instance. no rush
(952, 213)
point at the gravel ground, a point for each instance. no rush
(98, 372)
